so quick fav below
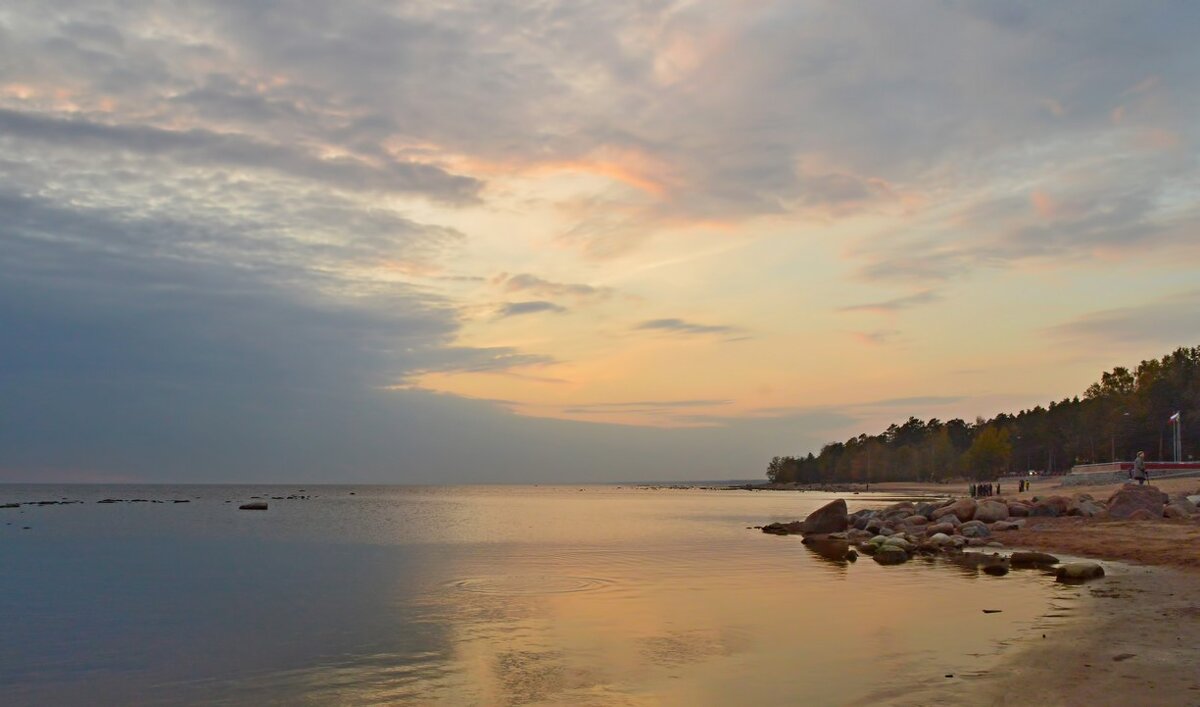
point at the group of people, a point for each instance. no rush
(982, 490)
(988, 489)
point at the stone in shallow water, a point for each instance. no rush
(254, 506)
(1032, 559)
(1079, 572)
(890, 555)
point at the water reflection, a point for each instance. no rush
(501, 596)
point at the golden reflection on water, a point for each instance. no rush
(749, 619)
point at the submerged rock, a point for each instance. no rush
(254, 506)
(782, 528)
(890, 555)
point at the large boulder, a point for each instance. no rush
(991, 511)
(1074, 572)
(1186, 505)
(1130, 498)
(1084, 507)
(963, 509)
(1143, 514)
(830, 518)
(1044, 510)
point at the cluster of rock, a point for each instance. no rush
(904, 530)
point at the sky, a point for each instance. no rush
(423, 242)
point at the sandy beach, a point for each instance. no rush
(1137, 641)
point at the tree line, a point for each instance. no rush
(1126, 411)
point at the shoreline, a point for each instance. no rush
(1136, 637)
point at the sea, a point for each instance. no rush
(478, 595)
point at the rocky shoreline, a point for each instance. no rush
(967, 531)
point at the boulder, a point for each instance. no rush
(1084, 507)
(1143, 514)
(939, 539)
(1130, 498)
(900, 542)
(857, 535)
(1174, 510)
(890, 555)
(996, 569)
(886, 531)
(1043, 510)
(873, 525)
(916, 520)
(1018, 510)
(830, 518)
(1074, 572)
(974, 529)
(925, 510)
(253, 506)
(963, 509)
(1003, 525)
(1032, 559)
(991, 511)
(1187, 506)
(939, 529)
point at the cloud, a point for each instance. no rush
(679, 326)
(525, 282)
(210, 149)
(513, 309)
(1169, 321)
(916, 400)
(895, 304)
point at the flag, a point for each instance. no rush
(1174, 418)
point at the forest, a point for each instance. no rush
(1126, 411)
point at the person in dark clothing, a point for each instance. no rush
(1139, 469)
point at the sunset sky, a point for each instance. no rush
(506, 241)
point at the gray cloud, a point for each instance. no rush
(513, 309)
(525, 282)
(207, 148)
(679, 326)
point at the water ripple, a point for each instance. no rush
(529, 585)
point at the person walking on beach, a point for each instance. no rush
(1139, 468)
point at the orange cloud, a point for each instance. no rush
(1044, 205)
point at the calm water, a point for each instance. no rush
(474, 596)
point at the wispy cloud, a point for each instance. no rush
(514, 309)
(895, 304)
(876, 337)
(679, 326)
(525, 282)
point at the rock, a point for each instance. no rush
(867, 548)
(1032, 559)
(900, 542)
(890, 555)
(991, 511)
(976, 542)
(1194, 499)
(851, 555)
(1084, 507)
(873, 525)
(10, 505)
(775, 528)
(255, 506)
(925, 510)
(1174, 510)
(1132, 497)
(916, 520)
(939, 539)
(1143, 514)
(974, 529)
(998, 569)
(1187, 506)
(1003, 525)
(885, 531)
(1079, 572)
(830, 518)
(1018, 510)
(1043, 510)
(963, 509)
(856, 535)
(834, 550)
(940, 529)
